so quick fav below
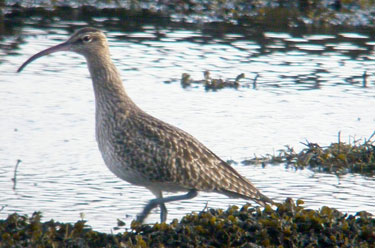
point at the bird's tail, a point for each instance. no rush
(256, 196)
(263, 200)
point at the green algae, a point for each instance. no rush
(289, 224)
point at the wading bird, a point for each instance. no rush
(142, 149)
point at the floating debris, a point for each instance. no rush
(14, 179)
(212, 83)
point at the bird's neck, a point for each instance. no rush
(110, 95)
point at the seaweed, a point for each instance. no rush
(288, 224)
(338, 158)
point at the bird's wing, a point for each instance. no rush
(170, 155)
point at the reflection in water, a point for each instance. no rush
(310, 86)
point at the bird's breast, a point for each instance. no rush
(118, 162)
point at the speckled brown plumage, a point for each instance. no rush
(144, 150)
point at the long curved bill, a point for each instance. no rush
(58, 48)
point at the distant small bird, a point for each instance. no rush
(143, 150)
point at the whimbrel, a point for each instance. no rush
(142, 149)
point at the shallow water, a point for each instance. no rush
(310, 87)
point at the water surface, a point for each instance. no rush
(310, 87)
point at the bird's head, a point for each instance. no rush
(86, 41)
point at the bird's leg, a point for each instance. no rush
(161, 202)
(163, 213)
(163, 208)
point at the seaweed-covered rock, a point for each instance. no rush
(288, 13)
(23, 231)
(339, 158)
(288, 224)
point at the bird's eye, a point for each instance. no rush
(87, 39)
